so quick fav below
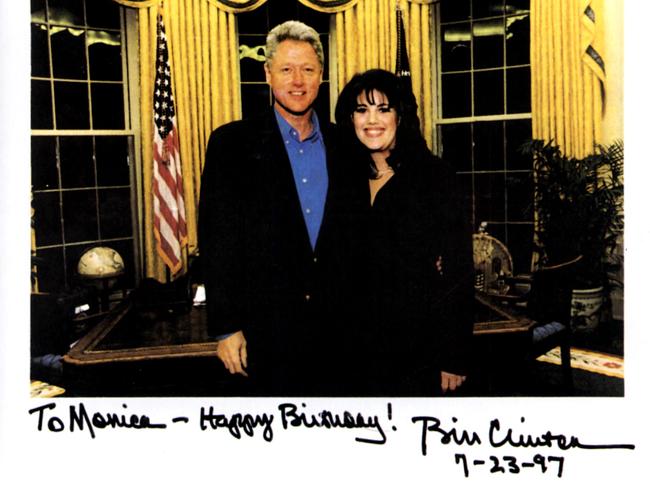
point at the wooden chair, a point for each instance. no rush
(549, 305)
(541, 299)
(547, 302)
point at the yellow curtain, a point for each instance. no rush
(366, 37)
(567, 73)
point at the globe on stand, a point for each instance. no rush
(102, 267)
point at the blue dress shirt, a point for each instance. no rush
(309, 166)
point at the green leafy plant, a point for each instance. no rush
(579, 208)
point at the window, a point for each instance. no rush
(253, 27)
(484, 107)
(82, 144)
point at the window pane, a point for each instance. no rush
(254, 22)
(254, 98)
(41, 105)
(105, 55)
(518, 40)
(456, 45)
(60, 39)
(47, 218)
(457, 145)
(251, 58)
(488, 146)
(486, 8)
(103, 13)
(40, 57)
(518, 80)
(66, 12)
(519, 188)
(451, 10)
(108, 105)
(518, 132)
(488, 43)
(68, 53)
(44, 173)
(77, 170)
(457, 99)
(111, 155)
(487, 152)
(38, 10)
(80, 215)
(50, 270)
(115, 212)
(490, 196)
(71, 105)
(488, 92)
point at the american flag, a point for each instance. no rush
(168, 203)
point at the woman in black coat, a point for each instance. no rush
(412, 247)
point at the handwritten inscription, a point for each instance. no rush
(510, 464)
(79, 418)
(498, 437)
(292, 416)
(496, 434)
(237, 423)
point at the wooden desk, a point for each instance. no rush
(136, 350)
(132, 334)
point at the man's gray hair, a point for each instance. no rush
(292, 30)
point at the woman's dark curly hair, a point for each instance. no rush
(400, 97)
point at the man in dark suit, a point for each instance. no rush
(269, 209)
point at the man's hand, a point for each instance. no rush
(450, 381)
(232, 352)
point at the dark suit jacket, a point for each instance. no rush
(261, 274)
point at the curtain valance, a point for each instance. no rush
(329, 6)
(239, 6)
(230, 6)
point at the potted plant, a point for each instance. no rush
(579, 211)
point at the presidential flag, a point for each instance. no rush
(168, 203)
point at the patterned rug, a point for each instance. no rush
(594, 362)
